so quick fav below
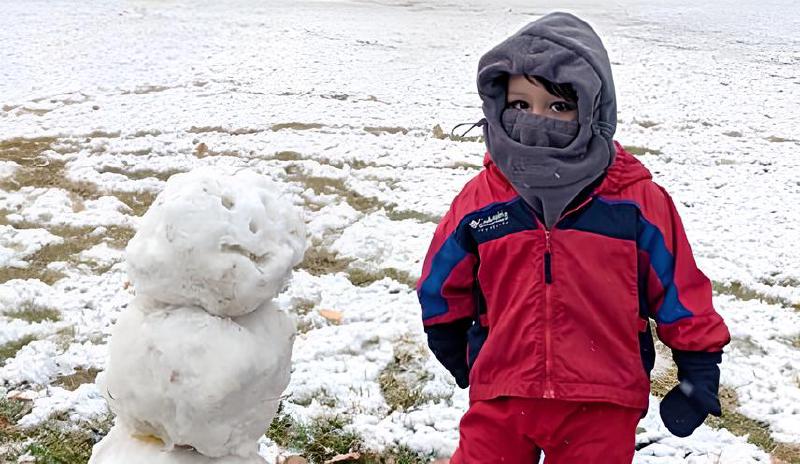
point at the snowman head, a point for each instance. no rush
(219, 239)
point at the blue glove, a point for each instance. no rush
(687, 405)
(448, 342)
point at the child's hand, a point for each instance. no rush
(687, 405)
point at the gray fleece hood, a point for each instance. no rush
(549, 162)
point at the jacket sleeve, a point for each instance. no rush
(675, 292)
(446, 295)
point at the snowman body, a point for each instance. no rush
(200, 357)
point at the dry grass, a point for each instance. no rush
(10, 349)
(76, 240)
(81, 376)
(39, 170)
(33, 313)
(139, 174)
(438, 133)
(386, 130)
(399, 215)
(757, 432)
(330, 186)
(661, 384)
(402, 379)
(296, 126)
(362, 278)
(319, 261)
(646, 123)
(776, 139)
(138, 202)
(745, 293)
(642, 151)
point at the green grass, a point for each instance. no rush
(57, 442)
(321, 439)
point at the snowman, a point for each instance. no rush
(201, 355)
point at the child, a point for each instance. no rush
(540, 280)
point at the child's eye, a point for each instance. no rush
(562, 107)
(518, 105)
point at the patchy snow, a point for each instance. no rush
(380, 243)
(353, 96)
(17, 244)
(55, 207)
(7, 169)
(85, 402)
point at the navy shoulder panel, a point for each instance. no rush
(616, 219)
(498, 220)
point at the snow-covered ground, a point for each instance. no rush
(339, 100)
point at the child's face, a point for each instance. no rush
(530, 95)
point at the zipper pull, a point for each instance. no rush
(548, 258)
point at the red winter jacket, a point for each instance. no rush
(563, 313)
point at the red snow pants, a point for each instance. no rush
(513, 430)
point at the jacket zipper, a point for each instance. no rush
(548, 311)
(548, 280)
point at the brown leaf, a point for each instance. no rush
(343, 458)
(331, 315)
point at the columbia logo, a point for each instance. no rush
(491, 222)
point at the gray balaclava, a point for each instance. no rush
(549, 162)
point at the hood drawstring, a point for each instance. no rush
(480, 123)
